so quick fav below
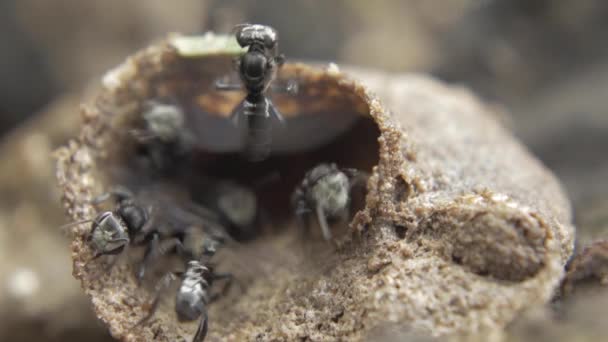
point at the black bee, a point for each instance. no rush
(326, 192)
(257, 69)
(194, 293)
(112, 231)
(160, 226)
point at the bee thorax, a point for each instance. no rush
(331, 193)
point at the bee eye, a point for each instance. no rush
(269, 42)
(242, 40)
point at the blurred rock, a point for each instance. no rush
(84, 38)
(39, 299)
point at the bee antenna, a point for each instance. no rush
(238, 27)
(72, 224)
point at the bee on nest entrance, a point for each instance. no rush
(166, 122)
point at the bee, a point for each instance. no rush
(326, 192)
(164, 138)
(112, 231)
(257, 68)
(194, 292)
(160, 226)
(235, 204)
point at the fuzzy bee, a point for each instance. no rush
(257, 69)
(325, 192)
(163, 137)
(235, 204)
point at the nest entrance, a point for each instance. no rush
(326, 121)
(355, 148)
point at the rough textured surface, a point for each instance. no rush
(462, 228)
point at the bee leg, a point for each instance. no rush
(225, 86)
(149, 255)
(303, 220)
(108, 266)
(275, 112)
(147, 228)
(161, 287)
(166, 246)
(229, 279)
(114, 251)
(323, 223)
(302, 213)
(157, 248)
(201, 331)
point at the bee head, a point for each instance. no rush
(109, 234)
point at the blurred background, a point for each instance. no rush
(543, 61)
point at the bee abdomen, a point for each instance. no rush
(258, 137)
(193, 296)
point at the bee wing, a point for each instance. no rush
(237, 111)
(275, 112)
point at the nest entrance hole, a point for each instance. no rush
(326, 121)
